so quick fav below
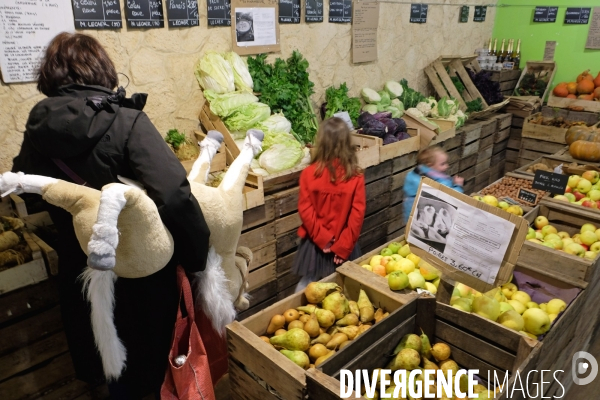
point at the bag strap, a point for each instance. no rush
(65, 168)
(185, 291)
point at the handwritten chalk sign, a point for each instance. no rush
(340, 11)
(550, 182)
(182, 13)
(313, 11)
(464, 14)
(418, 13)
(527, 196)
(144, 14)
(218, 12)
(97, 14)
(480, 12)
(545, 14)
(578, 16)
(289, 11)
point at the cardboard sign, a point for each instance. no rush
(578, 16)
(464, 14)
(549, 50)
(545, 14)
(255, 26)
(527, 196)
(364, 31)
(97, 14)
(418, 13)
(183, 13)
(313, 11)
(218, 12)
(469, 241)
(144, 14)
(480, 12)
(550, 182)
(593, 39)
(289, 11)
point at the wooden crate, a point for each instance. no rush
(543, 132)
(274, 369)
(482, 179)
(549, 161)
(468, 162)
(503, 121)
(540, 68)
(511, 155)
(496, 171)
(573, 104)
(525, 206)
(532, 149)
(482, 166)
(502, 135)
(471, 349)
(367, 149)
(219, 161)
(488, 127)
(485, 153)
(400, 148)
(590, 118)
(567, 267)
(472, 132)
(454, 155)
(453, 142)
(487, 141)
(431, 134)
(470, 149)
(523, 106)
(500, 146)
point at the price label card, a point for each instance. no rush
(527, 196)
(289, 11)
(464, 14)
(340, 11)
(480, 12)
(313, 11)
(418, 13)
(550, 182)
(218, 12)
(545, 14)
(578, 16)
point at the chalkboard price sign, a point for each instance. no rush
(550, 182)
(418, 13)
(527, 196)
(182, 13)
(480, 12)
(313, 11)
(144, 14)
(340, 11)
(289, 11)
(464, 14)
(579, 16)
(97, 14)
(219, 12)
(545, 14)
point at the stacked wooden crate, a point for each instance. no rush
(453, 147)
(520, 107)
(501, 139)
(469, 152)
(483, 168)
(507, 78)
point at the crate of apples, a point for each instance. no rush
(310, 334)
(403, 269)
(585, 244)
(583, 190)
(494, 202)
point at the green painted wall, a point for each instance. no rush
(515, 21)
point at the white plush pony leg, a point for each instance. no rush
(18, 183)
(208, 148)
(99, 289)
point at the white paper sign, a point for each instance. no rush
(27, 27)
(464, 237)
(346, 117)
(255, 26)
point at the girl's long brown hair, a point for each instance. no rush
(334, 149)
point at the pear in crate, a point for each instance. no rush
(312, 326)
(378, 315)
(354, 308)
(350, 331)
(294, 339)
(349, 320)
(298, 357)
(425, 346)
(315, 292)
(277, 322)
(440, 351)
(325, 317)
(316, 351)
(337, 303)
(323, 338)
(324, 358)
(408, 359)
(336, 340)
(409, 341)
(367, 312)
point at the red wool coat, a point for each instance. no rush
(331, 210)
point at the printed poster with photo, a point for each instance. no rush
(462, 236)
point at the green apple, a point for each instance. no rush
(532, 304)
(463, 290)
(491, 200)
(392, 266)
(575, 249)
(549, 244)
(584, 186)
(478, 198)
(512, 319)
(594, 195)
(416, 280)
(394, 247)
(462, 304)
(552, 317)
(397, 257)
(597, 232)
(573, 181)
(544, 306)
(556, 306)
(367, 267)
(386, 252)
(397, 280)
(431, 287)
(536, 321)
(375, 261)
(521, 296)
(549, 229)
(595, 247)
(567, 242)
(538, 241)
(414, 258)
(518, 306)
(587, 227)
(571, 197)
(540, 222)
(539, 235)
(486, 307)
(562, 198)
(504, 306)
(563, 235)
(590, 255)
(530, 233)
(591, 176)
(503, 205)
(436, 282)
(508, 289)
(406, 265)
(404, 250)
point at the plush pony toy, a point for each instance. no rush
(120, 230)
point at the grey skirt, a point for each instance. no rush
(310, 260)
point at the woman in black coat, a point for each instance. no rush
(84, 130)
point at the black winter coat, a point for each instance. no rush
(99, 135)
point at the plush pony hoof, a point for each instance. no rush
(102, 247)
(215, 135)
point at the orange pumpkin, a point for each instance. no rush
(561, 90)
(582, 132)
(585, 86)
(597, 80)
(572, 87)
(584, 150)
(586, 97)
(597, 93)
(585, 75)
(571, 96)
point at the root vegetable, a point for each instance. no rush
(8, 240)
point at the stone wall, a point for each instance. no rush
(160, 62)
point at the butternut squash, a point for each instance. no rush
(585, 150)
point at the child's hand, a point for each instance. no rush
(327, 248)
(338, 260)
(459, 181)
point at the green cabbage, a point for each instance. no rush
(280, 157)
(241, 75)
(247, 116)
(214, 73)
(370, 96)
(225, 104)
(394, 88)
(385, 98)
(273, 138)
(396, 113)
(275, 123)
(370, 108)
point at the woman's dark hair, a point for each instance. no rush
(75, 58)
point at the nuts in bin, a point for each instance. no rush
(509, 187)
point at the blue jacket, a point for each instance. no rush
(413, 179)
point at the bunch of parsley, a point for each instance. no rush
(284, 86)
(338, 100)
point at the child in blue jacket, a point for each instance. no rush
(432, 163)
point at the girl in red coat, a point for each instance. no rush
(331, 205)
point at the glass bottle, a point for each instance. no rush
(517, 55)
(508, 57)
(493, 53)
(499, 55)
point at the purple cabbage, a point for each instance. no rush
(392, 127)
(401, 125)
(364, 118)
(383, 114)
(374, 128)
(389, 138)
(490, 91)
(402, 135)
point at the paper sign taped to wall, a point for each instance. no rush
(364, 31)
(593, 39)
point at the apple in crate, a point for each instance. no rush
(591, 176)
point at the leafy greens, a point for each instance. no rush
(338, 100)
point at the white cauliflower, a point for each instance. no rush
(415, 112)
(424, 107)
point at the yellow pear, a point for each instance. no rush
(367, 312)
(294, 339)
(298, 357)
(348, 320)
(336, 340)
(323, 338)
